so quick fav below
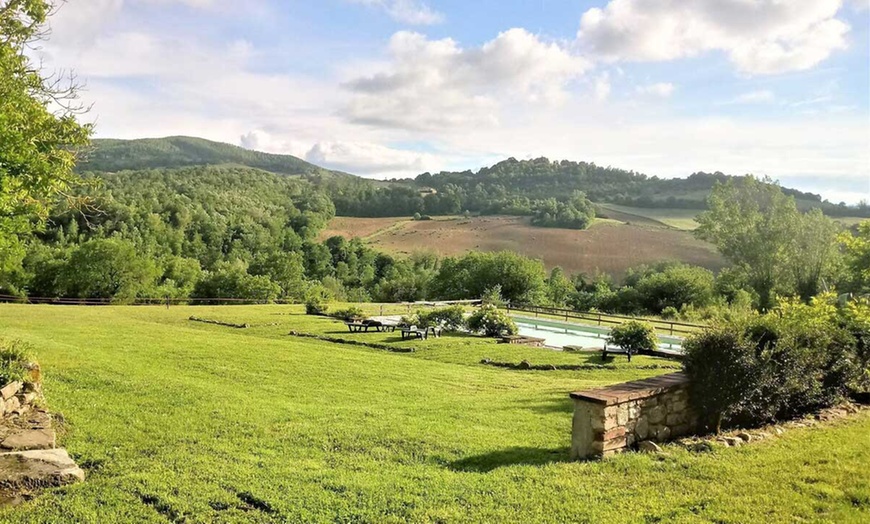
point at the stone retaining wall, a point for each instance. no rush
(618, 417)
(16, 398)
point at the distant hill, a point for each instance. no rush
(112, 155)
(511, 187)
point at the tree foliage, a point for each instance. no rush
(760, 230)
(38, 130)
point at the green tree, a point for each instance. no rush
(108, 268)
(857, 254)
(754, 225)
(38, 130)
(815, 255)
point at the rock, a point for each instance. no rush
(485, 361)
(734, 442)
(553, 367)
(38, 468)
(778, 430)
(525, 364)
(648, 446)
(30, 439)
(744, 436)
(664, 434)
(642, 428)
(700, 447)
(10, 390)
(12, 405)
(656, 415)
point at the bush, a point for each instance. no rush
(350, 314)
(317, 300)
(451, 318)
(670, 313)
(774, 366)
(634, 337)
(491, 322)
(14, 358)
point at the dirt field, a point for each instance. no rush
(607, 247)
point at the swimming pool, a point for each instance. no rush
(561, 334)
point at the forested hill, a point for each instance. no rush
(111, 155)
(552, 191)
(542, 178)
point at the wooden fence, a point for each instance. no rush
(603, 319)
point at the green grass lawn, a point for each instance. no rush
(176, 421)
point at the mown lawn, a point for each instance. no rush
(182, 422)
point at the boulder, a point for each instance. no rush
(38, 468)
(30, 439)
(733, 442)
(744, 436)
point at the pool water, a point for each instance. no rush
(561, 334)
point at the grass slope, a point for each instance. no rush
(110, 155)
(182, 422)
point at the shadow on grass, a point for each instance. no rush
(516, 456)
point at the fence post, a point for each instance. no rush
(167, 301)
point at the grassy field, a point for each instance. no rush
(609, 246)
(176, 421)
(682, 219)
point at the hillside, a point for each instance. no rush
(609, 246)
(111, 155)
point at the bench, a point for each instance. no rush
(616, 350)
(422, 334)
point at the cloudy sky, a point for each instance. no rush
(389, 88)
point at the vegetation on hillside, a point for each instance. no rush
(112, 155)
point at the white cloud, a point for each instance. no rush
(412, 12)
(662, 89)
(369, 159)
(601, 86)
(759, 36)
(754, 97)
(437, 83)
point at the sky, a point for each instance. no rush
(393, 88)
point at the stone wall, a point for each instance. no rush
(618, 417)
(16, 398)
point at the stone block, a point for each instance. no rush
(12, 405)
(656, 415)
(10, 390)
(38, 468)
(664, 434)
(30, 439)
(642, 428)
(675, 419)
(622, 416)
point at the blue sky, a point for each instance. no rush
(389, 88)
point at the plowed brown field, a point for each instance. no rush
(609, 246)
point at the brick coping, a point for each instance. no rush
(635, 390)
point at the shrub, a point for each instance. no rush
(634, 336)
(15, 355)
(451, 318)
(670, 313)
(491, 322)
(350, 314)
(773, 366)
(317, 299)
